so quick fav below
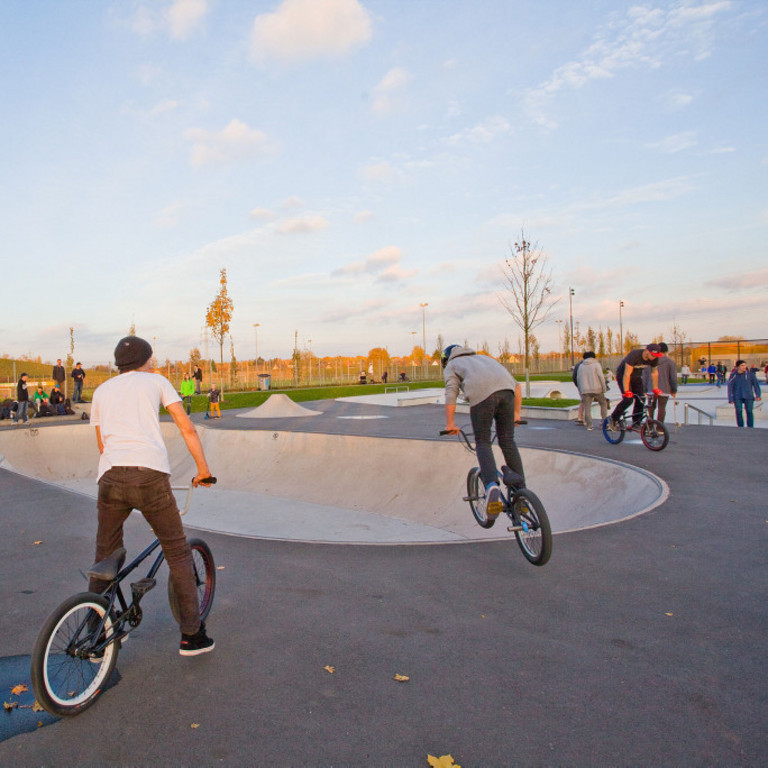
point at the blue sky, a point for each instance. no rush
(348, 160)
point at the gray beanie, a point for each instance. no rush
(131, 353)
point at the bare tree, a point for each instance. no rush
(529, 285)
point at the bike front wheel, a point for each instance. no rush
(532, 529)
(205, 580)
(654, 435)
(476, 498)
(70, 663)
(613, 436)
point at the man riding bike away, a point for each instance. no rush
(629, 376)
(493, 396)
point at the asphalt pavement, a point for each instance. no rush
(639, 643)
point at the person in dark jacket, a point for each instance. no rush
(743, 390)
(22, 399)
(78, 374)
(59, 375)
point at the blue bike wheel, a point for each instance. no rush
(613, 436)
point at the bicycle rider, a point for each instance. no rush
(494, 396)
(134, 473)
(629, 375)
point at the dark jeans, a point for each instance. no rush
(21, 410)
(748, 404)
(498, 408)
(636, 386)
(122, 489)
(187, 403)
(77, 395)
(660, 403)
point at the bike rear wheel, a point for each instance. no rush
(535, 539)
(476, 498)
(205, 580)
(654, 435)
(613, 437)
(68, 672)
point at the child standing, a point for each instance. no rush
(213, 396)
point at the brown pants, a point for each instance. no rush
(123, 489)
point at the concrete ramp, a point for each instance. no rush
(344, 488)
(278, 407)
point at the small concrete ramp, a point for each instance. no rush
(278, 407)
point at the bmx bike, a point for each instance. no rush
(653, 433)
(76, 650)
(526, 514)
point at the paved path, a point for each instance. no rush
(640, 643)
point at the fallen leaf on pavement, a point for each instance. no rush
(17, 689)
(444, 761)
(329, 669)
(402, 678)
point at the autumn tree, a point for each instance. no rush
(219, 314)
(529, 288)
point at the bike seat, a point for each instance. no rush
(511, 478)
(109, 567)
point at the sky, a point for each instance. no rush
(347, 161)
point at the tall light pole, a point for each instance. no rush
(256, 346)
(559, 338)
(424, 331)
(621, 329)
(571, 293)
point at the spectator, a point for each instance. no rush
(78, 374)
(213, 396)
(41, 403)
(591, 384)
(58, 400)
(187, 390)
(198, 376)
(22, 400)
(743, 390)
(685, 372)
(59, 375)
(712, 371)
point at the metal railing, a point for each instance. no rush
(699, 413)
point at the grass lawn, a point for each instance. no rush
(254, 399)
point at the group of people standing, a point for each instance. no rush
(43, 404)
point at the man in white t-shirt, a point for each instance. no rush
(134, 473)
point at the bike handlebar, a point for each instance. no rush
(189, 488)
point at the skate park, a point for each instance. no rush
(636, 644)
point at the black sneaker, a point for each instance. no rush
(194, 645)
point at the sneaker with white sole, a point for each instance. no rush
(493, 505)
(194, 645)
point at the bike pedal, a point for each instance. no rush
(141, 587)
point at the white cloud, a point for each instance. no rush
(261, 214)
(742, 280)
(644, 37)
(234, 143)
(184, 15)
(377, 262)
(676, 143)
(387, 94)
(362, 216)
(179, 18)
(292, 203)
(303, 225)
(379, 172)
(482, 133)
(309, 29)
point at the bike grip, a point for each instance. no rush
(657, 392)
(444, 432)
(206, 481)
(628, 394)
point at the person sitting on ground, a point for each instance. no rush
(494, 397)
(41, 403)
(134, 473)
(57, 400)
(667, 383)
(591, 384)
(629, 376)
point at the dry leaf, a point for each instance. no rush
(195, 725)
(401, 678)
(37, 542)
(444, 761)
(17, 689)
(10, 706)
(669, 614)
(329, 669)
(37, 708)
(220, 567)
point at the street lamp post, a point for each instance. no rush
(559, 338)
(621, 329)
(424, 332)
(571, 294)
(256, 346)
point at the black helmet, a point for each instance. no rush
(447, 354)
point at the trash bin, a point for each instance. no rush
(264, 380)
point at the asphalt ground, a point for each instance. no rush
(639, 643)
